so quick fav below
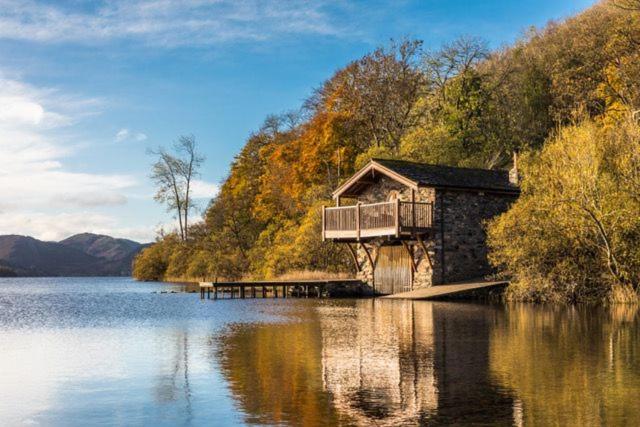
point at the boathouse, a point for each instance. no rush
(410, 225)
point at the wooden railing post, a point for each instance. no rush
(397, 208)
(413, 213)
(358, 221)
(324, 223)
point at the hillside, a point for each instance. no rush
(460, 105)
(80, 255)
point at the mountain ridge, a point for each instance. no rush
(84, 254)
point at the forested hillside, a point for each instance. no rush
(459, 104)
(83, 254)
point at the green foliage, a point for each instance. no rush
(152, 262)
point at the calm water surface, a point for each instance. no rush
(108, 351)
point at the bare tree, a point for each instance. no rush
(453, 61)
(188, 168)
(173, 174)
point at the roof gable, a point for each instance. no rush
(416, 175)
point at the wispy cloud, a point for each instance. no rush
(166, 22)
(125, 135)
(33, 146)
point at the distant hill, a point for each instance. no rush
(84, 254)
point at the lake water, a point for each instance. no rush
(110, 351)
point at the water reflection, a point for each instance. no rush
(571, 366)
(109, 351)
(378, 361)
(369, 362)
(402, 362)
(173, 384)
(274, 372)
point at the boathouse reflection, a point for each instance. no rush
(403, 362)
(366, 362)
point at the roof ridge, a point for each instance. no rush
(377, 159)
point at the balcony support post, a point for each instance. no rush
(355, 257)
(358, 221)
(366, 251)
(426, 252)
(414, 267)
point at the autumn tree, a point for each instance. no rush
(574, 233)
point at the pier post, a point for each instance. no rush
(208, 292)
(284, 291)
(275, 292)
(215, 292)
(264, 292)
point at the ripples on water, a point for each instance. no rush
(113, 351)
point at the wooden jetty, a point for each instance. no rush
(452, 290)
(267, 288)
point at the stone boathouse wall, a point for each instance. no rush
(456, 246)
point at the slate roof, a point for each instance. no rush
(428, 175)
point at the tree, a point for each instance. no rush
(188, 168)
(574, 232)
(173, 174)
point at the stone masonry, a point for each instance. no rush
(457, 245)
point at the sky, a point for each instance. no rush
(87, 88)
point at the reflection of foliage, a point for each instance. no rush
(275, 372)
(570, 366)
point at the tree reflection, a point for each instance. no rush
(570, 366)
(174, 384)
(274, 372)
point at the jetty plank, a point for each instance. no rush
(443, 291)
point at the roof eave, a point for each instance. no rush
(377, 167)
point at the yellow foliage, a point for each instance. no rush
(574, 233)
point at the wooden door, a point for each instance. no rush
(393, 272)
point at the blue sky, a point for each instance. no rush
(86, 88)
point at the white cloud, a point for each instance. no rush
(204, 190)
(55, 226)
(33, 177)
(124, 134)
(166, 22)
(16, 109)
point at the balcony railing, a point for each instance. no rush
(376, 219)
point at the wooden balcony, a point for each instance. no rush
(363, 221)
